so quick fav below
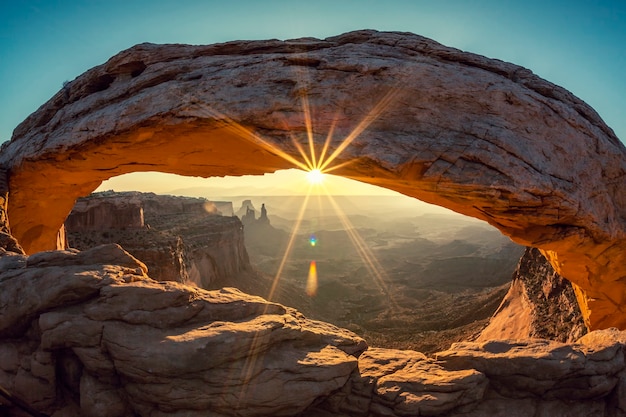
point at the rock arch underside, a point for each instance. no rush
(482, 137)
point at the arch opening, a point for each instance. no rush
(397, 271)
(481, 137)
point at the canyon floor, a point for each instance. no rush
(399, 273)
(400, 278)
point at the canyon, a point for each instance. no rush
(438, 279)
(180, 239)
(90, 333)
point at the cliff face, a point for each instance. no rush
(179, 238)
(540, 304)
(215, 251)
(99, 214)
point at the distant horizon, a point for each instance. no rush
(402, 205)
(282, 182)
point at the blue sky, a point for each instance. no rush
(580, 45)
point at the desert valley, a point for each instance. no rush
(399, 278)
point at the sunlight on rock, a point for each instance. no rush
(97, 331)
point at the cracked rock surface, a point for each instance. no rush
(90, 334)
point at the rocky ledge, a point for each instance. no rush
(92, 334)
(89, 333)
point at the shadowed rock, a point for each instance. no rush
(539, 304)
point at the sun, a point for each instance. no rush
(315, 176)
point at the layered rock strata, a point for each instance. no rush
(89, 333)
(180, 239)
(480, 136)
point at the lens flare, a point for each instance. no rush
(313, 240)
(311, 282)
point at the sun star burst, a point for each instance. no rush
(315, 176)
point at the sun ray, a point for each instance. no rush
(253, 356)
(302, 152)
(246, 133)
(329, 137)
(309, 128)
(370, 117)
(366, 255)
(292, 239)
(341, 165)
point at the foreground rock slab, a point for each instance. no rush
(480, 136)
(88, 333)
(531, 377)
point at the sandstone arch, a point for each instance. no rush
(482, 137)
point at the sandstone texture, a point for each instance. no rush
(90, 334)
(480, 136)
(496, 378)
(539, 304)
(180, 239)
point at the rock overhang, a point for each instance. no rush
(480, 136)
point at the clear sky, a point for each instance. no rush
(580, 45)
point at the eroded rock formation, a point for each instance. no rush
(92, 334)
(496, 378)
(480, 136)
(539, 304)
(181, 239)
